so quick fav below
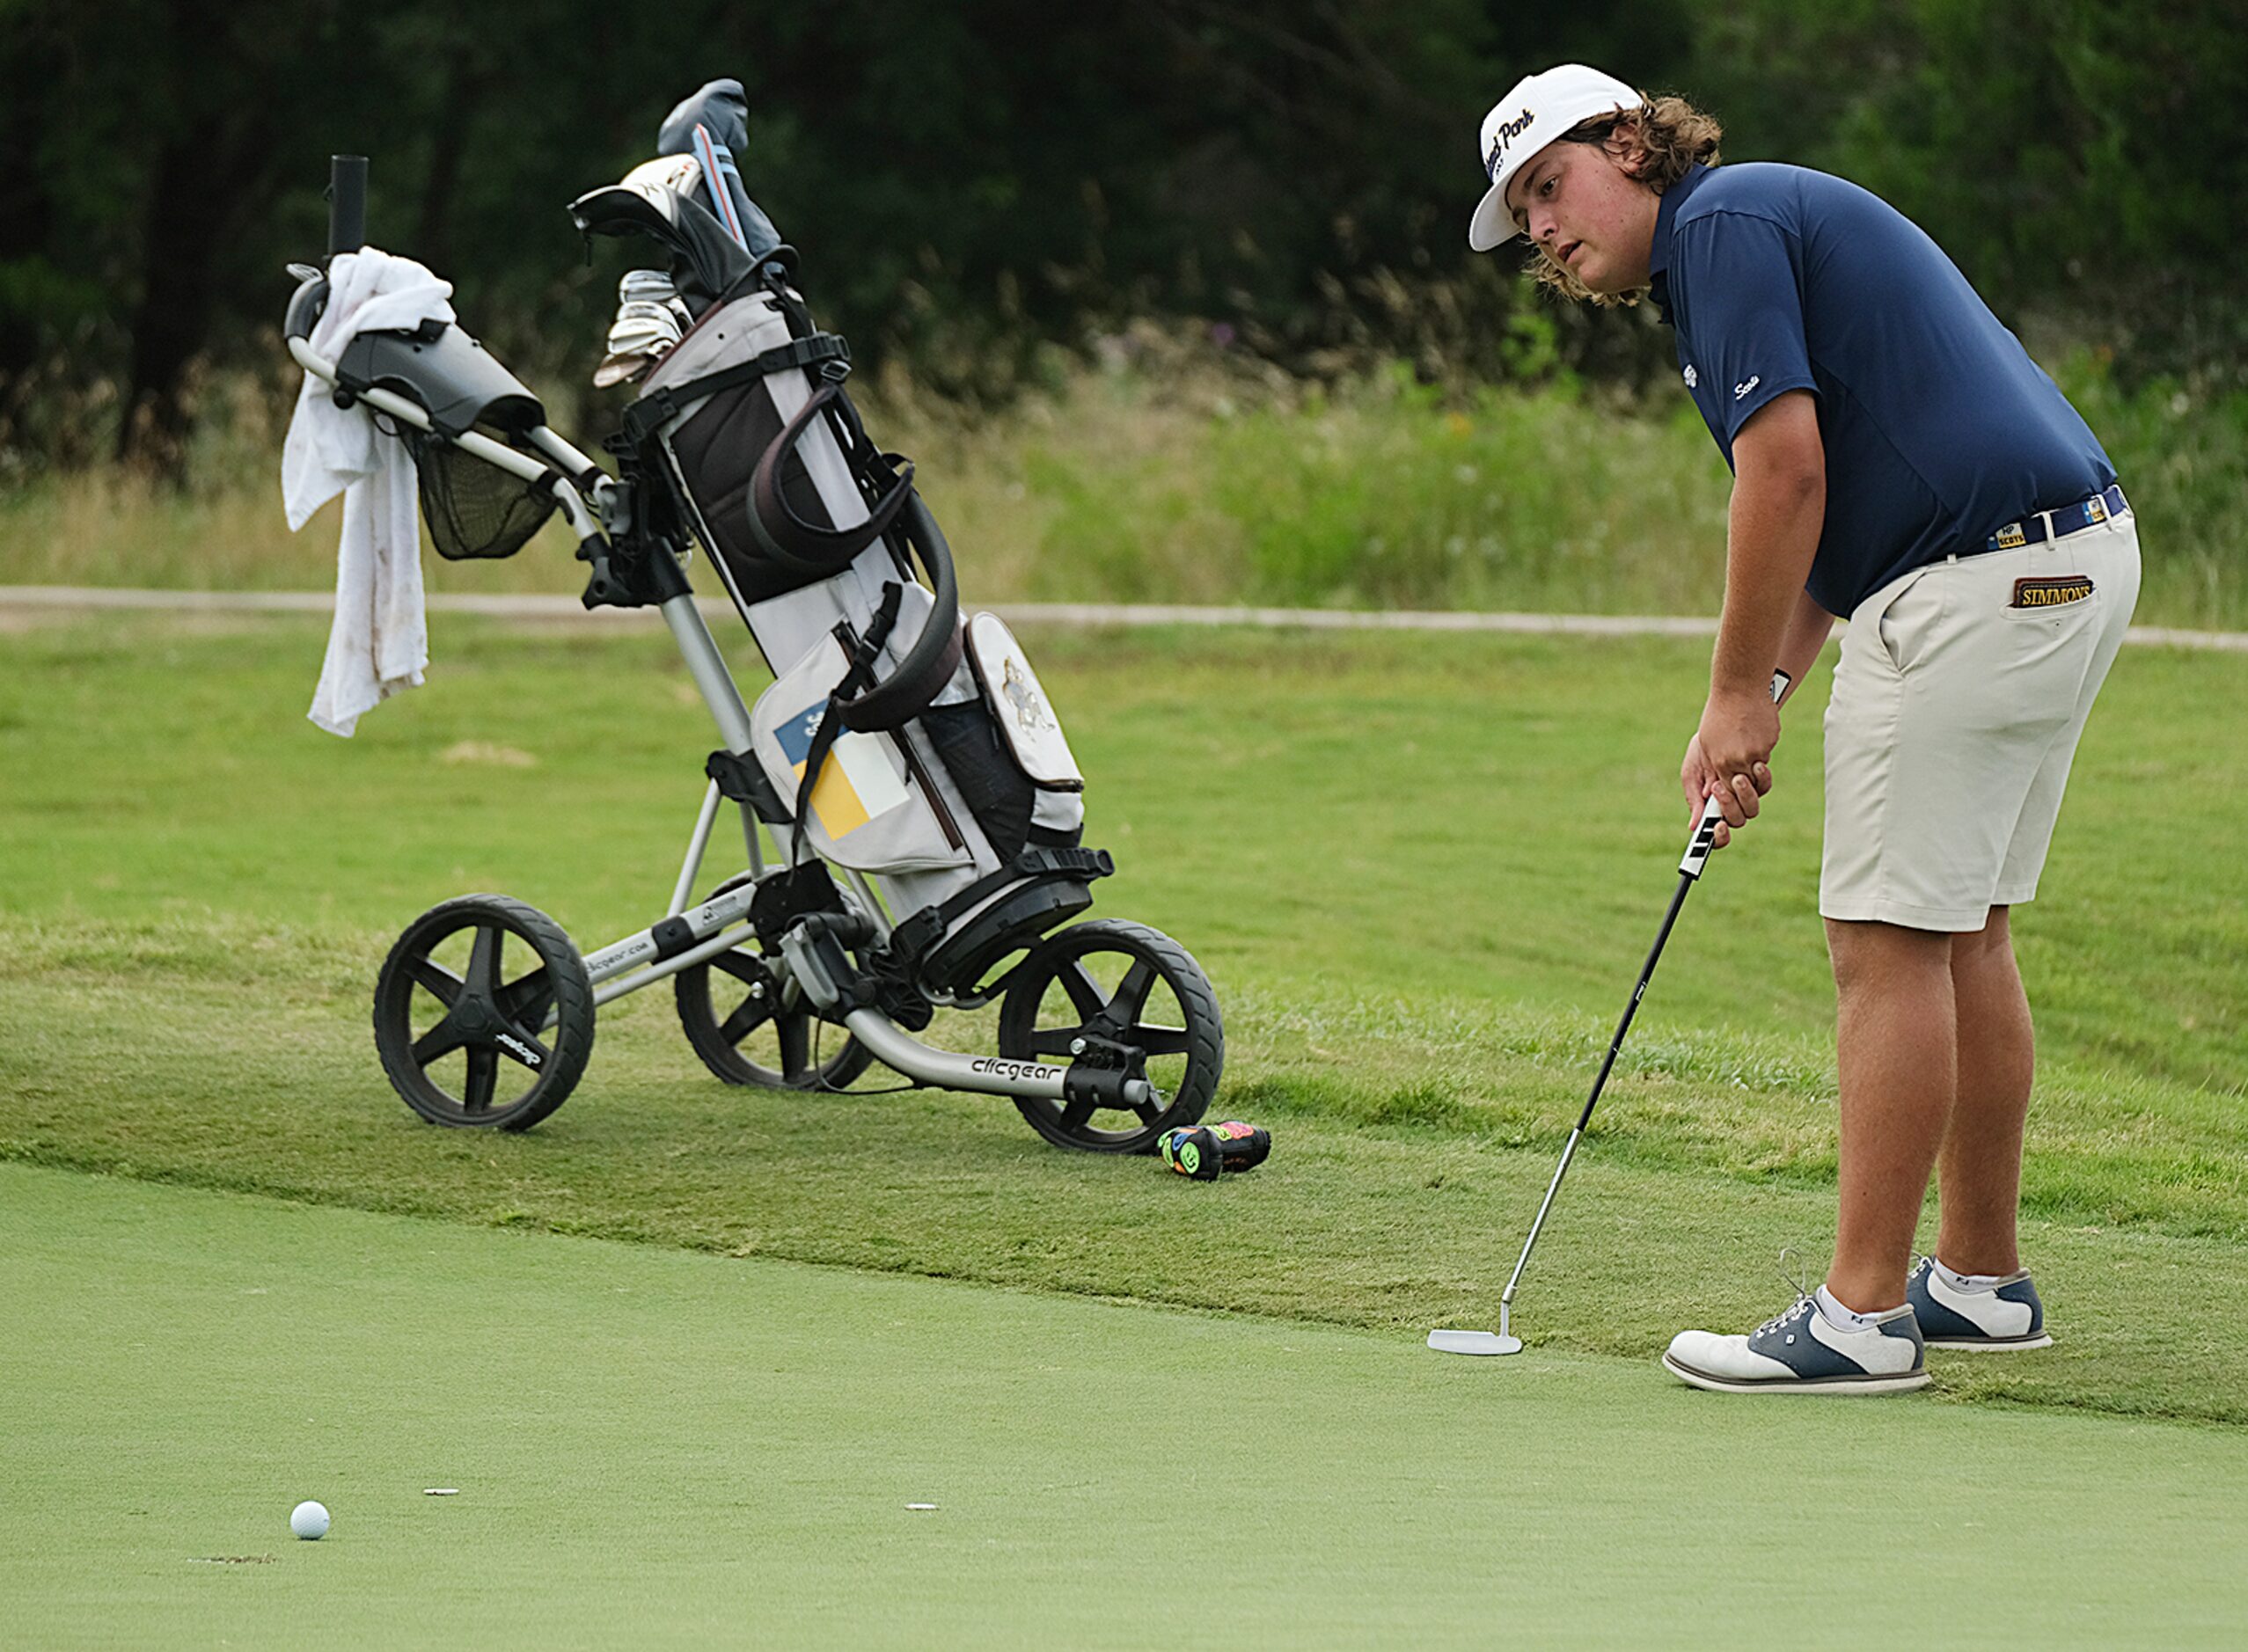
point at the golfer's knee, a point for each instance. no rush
(1979, 949)
(1871, 957)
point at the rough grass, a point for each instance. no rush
(1422, 874)
(1194, 479)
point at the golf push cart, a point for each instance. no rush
(921, 806)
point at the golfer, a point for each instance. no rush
(1897, 458)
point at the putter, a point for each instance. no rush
(1689, 873)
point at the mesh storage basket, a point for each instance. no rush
(475, 509)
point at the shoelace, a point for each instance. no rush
(1793, 1277)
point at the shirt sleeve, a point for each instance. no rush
(1737, 284)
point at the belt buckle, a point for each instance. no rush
(2095, 511)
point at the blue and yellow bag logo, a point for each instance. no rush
(860, 781)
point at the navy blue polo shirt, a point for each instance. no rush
(1938, 428)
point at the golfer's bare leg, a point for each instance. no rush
(1980, 1169)
(1896, 1049)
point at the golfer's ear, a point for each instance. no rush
(1625, 149)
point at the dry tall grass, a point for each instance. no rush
(1170, 469)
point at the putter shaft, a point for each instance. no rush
(1698, 849)
(1686, 882)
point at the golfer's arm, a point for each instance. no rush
(1801, 643)
(1779, 502)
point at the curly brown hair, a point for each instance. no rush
(1668, 135)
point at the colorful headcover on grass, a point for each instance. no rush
(862, 778)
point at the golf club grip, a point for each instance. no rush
(1705, 838)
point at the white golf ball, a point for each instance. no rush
(309, 1520)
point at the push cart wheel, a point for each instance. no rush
(751, 1027)
(483, 1014)
(1125, 985)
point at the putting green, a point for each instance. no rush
(651, 1445)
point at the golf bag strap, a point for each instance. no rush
(774, 276)
(787, 537)
(856, 676)
(652, 412)
(929, 664)
(741, 778)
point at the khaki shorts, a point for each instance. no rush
(1956, 711)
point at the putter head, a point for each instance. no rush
(1483, 1342)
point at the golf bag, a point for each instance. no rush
(905, 765)
(898, 740)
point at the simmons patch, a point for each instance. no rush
(2055, 593)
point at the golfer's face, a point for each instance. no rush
(1587, 213)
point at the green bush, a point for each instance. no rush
(2182, 454)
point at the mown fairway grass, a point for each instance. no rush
(1422, 872)
(654, 1448)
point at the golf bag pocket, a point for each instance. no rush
(869, 808)
(1026, 729)
(1025, 717)
(985, 776)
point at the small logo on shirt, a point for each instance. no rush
(1691, 378)
(1740, 390)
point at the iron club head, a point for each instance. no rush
(1485, 1342)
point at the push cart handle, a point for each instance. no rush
(306, 302)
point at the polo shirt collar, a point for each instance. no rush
(1658, 255)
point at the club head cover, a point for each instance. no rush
(1240, 1146)
(1190, 1150)
(1206, 1152)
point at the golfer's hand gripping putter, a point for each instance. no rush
(1689, 871)
(1705, 829)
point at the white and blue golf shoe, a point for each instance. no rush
(2003, 1314)
(1805, 1351)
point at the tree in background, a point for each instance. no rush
(967, 180)
(2070, 155)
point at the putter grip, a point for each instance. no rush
(1704, 839)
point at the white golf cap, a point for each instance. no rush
(1539, 109)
